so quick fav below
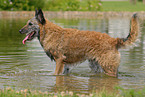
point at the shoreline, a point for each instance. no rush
(69, 14)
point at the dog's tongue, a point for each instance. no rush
(25, 39)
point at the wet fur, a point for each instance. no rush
(70, 46)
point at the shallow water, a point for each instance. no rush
(27, 66)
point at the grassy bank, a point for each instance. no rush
(122, 6)
(120, 92)
(74, 5)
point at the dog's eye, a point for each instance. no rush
(30, 24)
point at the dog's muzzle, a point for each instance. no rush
(21, 31)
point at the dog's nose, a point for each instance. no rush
(20, 30)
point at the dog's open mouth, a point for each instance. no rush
(29, 37)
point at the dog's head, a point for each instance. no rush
(31, 29)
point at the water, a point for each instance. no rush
(28, 67)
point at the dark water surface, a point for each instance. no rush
(28, 67)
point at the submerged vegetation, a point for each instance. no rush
(119, 92)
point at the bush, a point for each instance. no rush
(21, 4)
(63, 5)
(6, 5)
(73, 5)
(94, 5)
(51, 5)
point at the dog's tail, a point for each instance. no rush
(133, 35)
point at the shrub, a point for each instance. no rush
(51, 5)
(21, 4)
(63, 5)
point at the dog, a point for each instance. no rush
(67, 46)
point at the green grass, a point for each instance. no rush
(122, 6)
(120, 92)
(84, 5)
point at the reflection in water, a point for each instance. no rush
(27, 66)
(119, 27)
(86, 85)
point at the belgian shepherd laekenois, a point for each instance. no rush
(69, 46)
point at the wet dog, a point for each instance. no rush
(69, 46)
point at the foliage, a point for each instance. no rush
(118, 92)
(21, 4)
(94, 5)
(63, 5)
(37, 3)
(73, 5)
(70, 5)
(131, 92)
(51, 5)
(5, 4)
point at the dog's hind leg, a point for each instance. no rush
(95, 66)
(109, 62)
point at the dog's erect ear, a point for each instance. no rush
(36, 12)
(39, 16)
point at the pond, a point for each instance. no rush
(28, 67)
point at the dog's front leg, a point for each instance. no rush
(59, 65)
(66, 69)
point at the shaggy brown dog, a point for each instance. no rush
(70, 46)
